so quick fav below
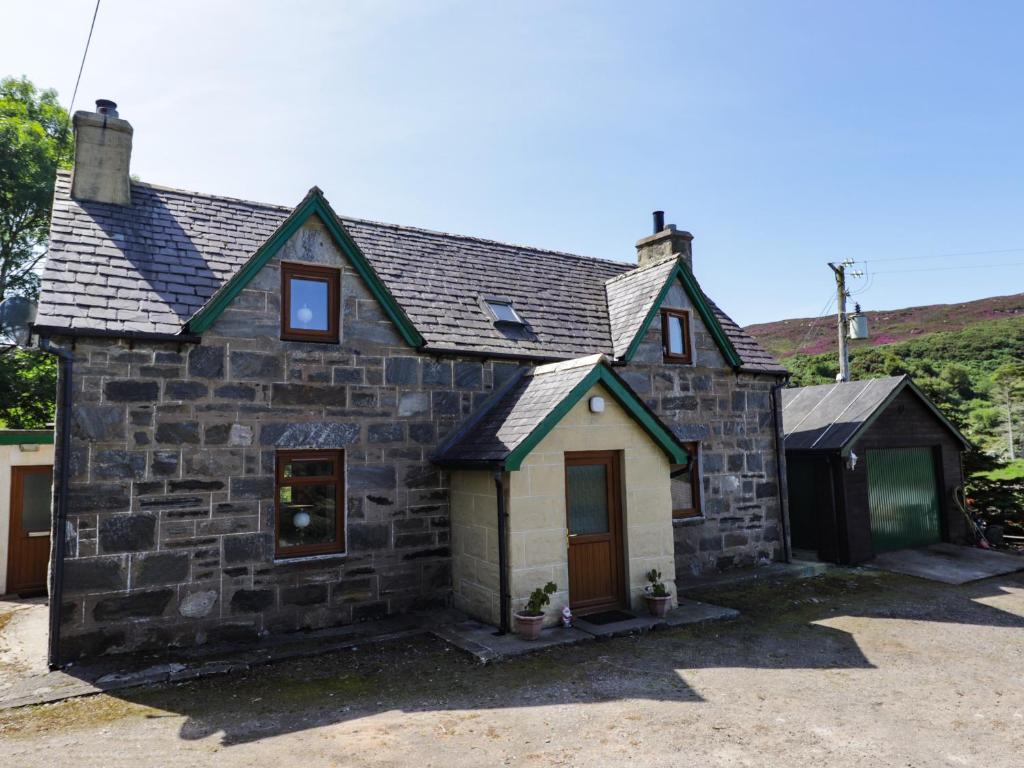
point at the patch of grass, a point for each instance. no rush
(73, 714)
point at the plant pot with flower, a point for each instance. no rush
(530, 620)
(656, 595)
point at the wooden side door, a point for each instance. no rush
(594, 520)
(29, 550)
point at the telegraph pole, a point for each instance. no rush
(841, 295)
(843, 320)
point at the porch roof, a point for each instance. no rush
(518, 416)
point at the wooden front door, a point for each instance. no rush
(29, 550)
(594, 520)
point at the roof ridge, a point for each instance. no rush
(357, 220)
(638, 269)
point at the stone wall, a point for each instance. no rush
(730, 415)
(474, 528)
(172, 488)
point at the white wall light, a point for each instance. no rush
(597, 404)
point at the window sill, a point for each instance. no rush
(683, 522)
(309, 558)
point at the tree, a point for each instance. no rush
(34, 143)
(1008, 386)
(27, 382)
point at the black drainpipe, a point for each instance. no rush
(504, 598)
(61, 482)
(780, 470)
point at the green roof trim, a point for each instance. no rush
(26, 437)
(314, 204)
(700, 302)
(623, 395)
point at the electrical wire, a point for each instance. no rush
(81, 67)
(948, 269)
(814, 323)
(944, 255)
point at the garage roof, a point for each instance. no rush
(830, 417)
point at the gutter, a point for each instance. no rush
(61, 478)
(102, 333)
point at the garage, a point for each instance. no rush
(872, 467)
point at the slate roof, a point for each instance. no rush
(150, 266)
(630, 295)
(830, 417)
(516, 411)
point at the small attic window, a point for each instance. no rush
(502, 311)
(309, 302)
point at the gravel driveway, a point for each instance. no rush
(853, 668)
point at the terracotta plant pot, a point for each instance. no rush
(529, 627)
(658, 606)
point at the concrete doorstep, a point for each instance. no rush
(473, 637)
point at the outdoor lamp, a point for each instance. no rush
(851, 461)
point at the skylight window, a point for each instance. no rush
(502, 311)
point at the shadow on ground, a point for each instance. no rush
(782, 626)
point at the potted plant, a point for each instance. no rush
(530, 620)
(657, 595)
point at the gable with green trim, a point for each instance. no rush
(620, 392)
(677, 290)
(311, 234)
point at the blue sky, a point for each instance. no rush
(782, 134)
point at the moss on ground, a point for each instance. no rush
(425, 673)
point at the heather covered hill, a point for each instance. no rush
(783, 337)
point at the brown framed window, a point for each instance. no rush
(675, 336)
(309, 503)
(685, 481)
(310, 302)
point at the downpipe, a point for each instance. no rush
(780, 471)
(59, 525)
(504, 597)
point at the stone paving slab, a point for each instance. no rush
(949, 563)
(797, 569)
(478, 639)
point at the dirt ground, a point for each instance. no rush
(853, 668)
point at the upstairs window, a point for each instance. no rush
(502, 311)
(310, 302)
(675, 336)
(686, 485)
(310, 517)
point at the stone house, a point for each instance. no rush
(282, 418)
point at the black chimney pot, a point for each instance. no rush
(659, 221)
(106, 107)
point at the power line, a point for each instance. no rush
(943, 255)
(81, 67)
(947, 269)
(814, 323)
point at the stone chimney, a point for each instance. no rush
(665, 242)
(103, 150)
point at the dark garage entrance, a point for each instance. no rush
(871, 468)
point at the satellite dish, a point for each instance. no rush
(16, 317)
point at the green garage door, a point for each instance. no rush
(903, 497)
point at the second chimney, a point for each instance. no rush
(103, 152)
(667, 241)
